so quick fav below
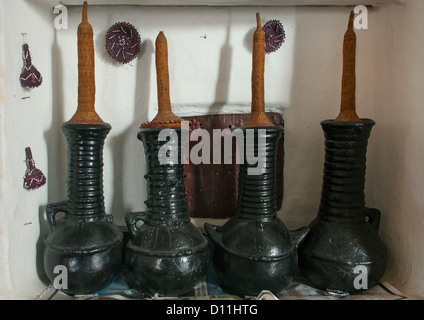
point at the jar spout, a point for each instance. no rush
(214, 232)
(297, 236)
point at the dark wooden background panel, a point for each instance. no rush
(212, 189)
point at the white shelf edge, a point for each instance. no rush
(224, 3)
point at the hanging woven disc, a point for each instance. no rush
(274, 35)
(34, 178)
(123, 42)
(30, 76)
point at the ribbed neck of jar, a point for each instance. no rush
(85, 168)
(342, 195)
(257, 188)
(166, 198)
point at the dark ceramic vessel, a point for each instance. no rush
(254, 250)
(167, 254)
(85, 240)
(343, 245)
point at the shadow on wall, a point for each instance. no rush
(56, 153)
(40, 247)
(128, 152)
(394, 98)
(224, 72)
(315, 96)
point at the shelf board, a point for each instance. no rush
(224, 2)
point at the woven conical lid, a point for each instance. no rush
(86, 113)
(165, 116)
(348, 106)
(258, 117)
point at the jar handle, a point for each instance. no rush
(108, 218)
(374, 217)
(52, 209)
(131, 219)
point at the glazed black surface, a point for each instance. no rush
(255, 251)
(167, 254)
(345, 233)
(85, 240)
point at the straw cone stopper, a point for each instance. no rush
(347, 106)
(165, 116)
(258, 117)
(86, 113)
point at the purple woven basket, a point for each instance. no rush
(30, 76)
(34, 178)
(123, 42)
(274, 35)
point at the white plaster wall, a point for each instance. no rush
(24, 122)
(393, 95)
(210, 69)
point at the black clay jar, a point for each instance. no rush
(254, 250)
(85, 240)
(343, 251)
(167, 254)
